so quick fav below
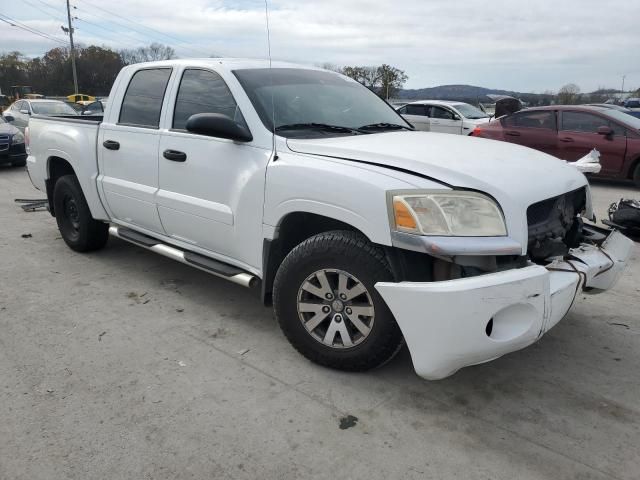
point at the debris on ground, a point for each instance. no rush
(244, 351)
(101, 335)
(181, 363)
(348, 422)
(31, 205)
(26, 235)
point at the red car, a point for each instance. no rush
(570, 132)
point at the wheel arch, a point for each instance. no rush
(293, 229)
(56, 167)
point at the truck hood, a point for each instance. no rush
(510, 173)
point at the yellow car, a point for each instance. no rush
(81, 99)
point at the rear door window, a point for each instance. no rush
(142, 101)
(442, 113)
(582, 122)
(537, 119)
(419, 110)
(203, 91)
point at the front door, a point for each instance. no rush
(128, 151)
(578, 135)
(444, 120)
(211, 189)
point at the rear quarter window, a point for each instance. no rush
(142, 102)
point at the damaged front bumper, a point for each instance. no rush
(456, 323)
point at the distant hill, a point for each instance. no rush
(456, 92)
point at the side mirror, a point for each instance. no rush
(9, 118)
(606, 131)
(456, 116)
(24, 111)
(217, 125)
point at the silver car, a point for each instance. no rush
(20, 111)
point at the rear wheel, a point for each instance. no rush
(328, 307)
(78, 228)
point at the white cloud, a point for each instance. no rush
(504, 44)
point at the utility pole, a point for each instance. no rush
(73, 51)
(623, 77)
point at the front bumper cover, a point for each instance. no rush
(456, 323)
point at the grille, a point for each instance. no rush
(4, 142)
(554, 217)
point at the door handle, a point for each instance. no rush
(512, 133)
(567, 140)
(175, 155)
(111, 145)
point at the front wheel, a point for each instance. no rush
(636, 175)
(78, 228)
(327, 306)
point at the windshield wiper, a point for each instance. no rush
(383, 126)
(317, 126)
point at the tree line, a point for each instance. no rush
(97, 68)
(384, 80)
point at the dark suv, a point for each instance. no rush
(12, 148)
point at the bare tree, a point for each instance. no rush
(155, 51)
(569, 94)
(392, 79)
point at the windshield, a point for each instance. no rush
(303, 97)
(628, 120)
(469, 111)
(52, 108)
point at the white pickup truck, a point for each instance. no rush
(363, 233)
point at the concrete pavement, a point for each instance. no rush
(125, 365)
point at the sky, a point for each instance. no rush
(532, 46)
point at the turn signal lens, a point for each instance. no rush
(403, 216)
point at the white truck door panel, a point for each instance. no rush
(213, 198)
(130, 175)
(129, 168)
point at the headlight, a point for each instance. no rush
(457, 214)
(17, 138)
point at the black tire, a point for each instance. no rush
(333, 252)
(19, 163)
(78, 228)
(636, 175)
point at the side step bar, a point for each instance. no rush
(209, 265)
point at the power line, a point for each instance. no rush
(185, 45)
(15, 23)
(48, 6)
(114, 32)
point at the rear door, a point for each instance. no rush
(444, 120)
(128, 150)
(534, 129)
(579, 135)
(417, 115)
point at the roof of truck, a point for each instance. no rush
(229, 63)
